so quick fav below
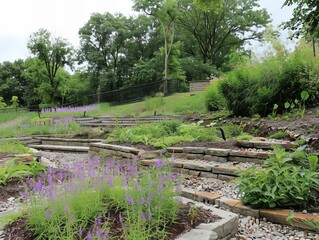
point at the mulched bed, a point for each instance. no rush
(185, 222)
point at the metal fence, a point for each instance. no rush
(124, 95)
(137, 92)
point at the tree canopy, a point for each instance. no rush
(305, 18)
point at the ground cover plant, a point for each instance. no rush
(42, 126)
(165, 133)
(13, 170)
(9, 146)
(85, 202)
(287, 181)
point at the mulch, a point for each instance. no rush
(185, 222)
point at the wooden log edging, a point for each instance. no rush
(278, 216)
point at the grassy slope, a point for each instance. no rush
(180, 103)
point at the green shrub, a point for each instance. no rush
(151, 104)
(281, 184)
(214, 100)
(279, 135)
(164, 133)
(257, 88)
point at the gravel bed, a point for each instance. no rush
(228, 164)
(60, 159)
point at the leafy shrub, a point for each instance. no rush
(282, 184)
(279, 135)
(153, 103)
(12, 170)
(164, 133)
(257, 88)
(214, 100)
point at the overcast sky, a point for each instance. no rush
(20, 18)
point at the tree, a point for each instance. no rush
(12, 82)
(305, 20)
(55, 53)
(165, 13)
(103, 41)
(215, 34)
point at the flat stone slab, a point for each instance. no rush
(226, 226)
(61, 148)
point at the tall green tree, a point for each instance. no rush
(56, 53)
(214, 34)
(12, 82)
(165, 12)
(305, 17)
(305, 20)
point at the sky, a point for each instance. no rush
(63, 18)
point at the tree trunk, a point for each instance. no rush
(314, 46)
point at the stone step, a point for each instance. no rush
(153, 118)
(61, 148)
(264, 144)
(82, 140)
(106, 125)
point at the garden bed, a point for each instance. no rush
(19, 231)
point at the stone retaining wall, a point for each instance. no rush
(272, 215)
(195, 86)
(66, 141)
(218, 154)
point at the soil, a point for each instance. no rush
(185, 222)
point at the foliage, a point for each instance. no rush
(276, 81)
(214, 100)
(12, 170)
(2, 103)
(8, 146)
(145, 201)
(14, 102)
(164, 134)
(279, 135)
(219, 33)
(281, 184)
(55, 53)
(151, 104)
(64, 125)
(12, 81)
(305, 18)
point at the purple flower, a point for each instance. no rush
(143, 217)
(98, 231)
(98, 221)
(148, 214)
(164, 151)
(106, 235)
(130, 200)
(80, 231)
(89, 236)
(47, 214)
